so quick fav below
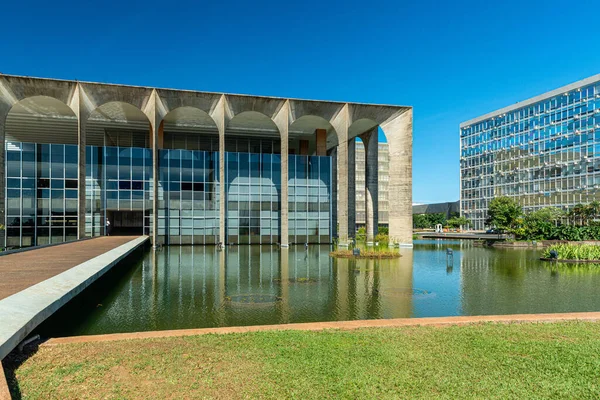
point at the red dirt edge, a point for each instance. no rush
(341, 325)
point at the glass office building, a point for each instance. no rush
(543, 152)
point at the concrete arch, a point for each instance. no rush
(360, 127)
(14, 89)
(327, 111)
(93, 96)
(251, 121)
(310, 127)
(169, 100)
(379, 114)
(41, 119)
(185, 126)
(118, 111)
(237, 104)
(117, 116)
(189, 117)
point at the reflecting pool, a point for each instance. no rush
(197, 286)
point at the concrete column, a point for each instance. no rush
(81, 166)
(154, 128)
(81, 195)
(218, 115)
(334, 192)
(340, 124)
(342, 193)
(282, 120)
(222, 187)
(351, 187)
(3, 114)
(398, 132)
(371, 142)
(284, 206)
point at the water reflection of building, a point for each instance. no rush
(196, 286)
(516, 282)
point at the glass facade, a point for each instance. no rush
(188, 197)
(42, 197)
(41, 194)
(309, 199)
(253, 198)
(118, 179)
(544, 154)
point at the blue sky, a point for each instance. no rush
(450, 60)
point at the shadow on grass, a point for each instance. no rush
(56, 325)
(13, 361)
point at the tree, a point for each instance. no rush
(578, 214)
(422, 221)
(458, 221)
(550, 214)
(593, 210)
(503, 213)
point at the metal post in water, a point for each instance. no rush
(449, 257)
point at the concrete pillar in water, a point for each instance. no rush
(351, 173)
(340, 124)
(371, 144)
(281, 119)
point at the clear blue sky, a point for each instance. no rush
(450, 60)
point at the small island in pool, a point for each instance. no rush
(376, 253)
(572, 253)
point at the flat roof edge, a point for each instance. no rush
(399, 107)
(533, 100)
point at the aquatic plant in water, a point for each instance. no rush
(568, 251)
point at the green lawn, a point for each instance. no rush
(524, 361)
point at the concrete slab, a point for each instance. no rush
(23, 269)
(20, 313)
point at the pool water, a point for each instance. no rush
(197, 287)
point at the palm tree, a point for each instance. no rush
(578, 213)
(594, 209)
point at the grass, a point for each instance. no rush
(376, 253)
(568, 251)
(549, 360)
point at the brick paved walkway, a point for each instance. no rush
(18, 271)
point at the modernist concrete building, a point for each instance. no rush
(383, 172)
(201, 167)
(448, 208)
(544, 152)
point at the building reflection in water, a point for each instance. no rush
(517, 282)
(197, 286)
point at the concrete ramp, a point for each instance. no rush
(22, 312)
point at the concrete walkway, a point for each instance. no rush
(22, 270)
(70, 268)
(342, 325)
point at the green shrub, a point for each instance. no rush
(361, 234)
(382, 238)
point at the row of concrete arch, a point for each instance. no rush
(343, 122)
